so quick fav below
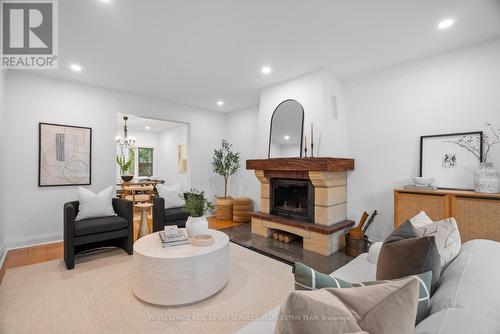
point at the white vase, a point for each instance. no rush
(486, 179)
(196, 226)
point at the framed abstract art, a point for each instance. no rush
(64, 155)
(451, 159)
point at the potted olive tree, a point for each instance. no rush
(196, 205)
(126, 166)
(225, 163)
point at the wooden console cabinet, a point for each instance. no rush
(477, 215)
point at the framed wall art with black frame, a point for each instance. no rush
(451, 159)
(64, 155)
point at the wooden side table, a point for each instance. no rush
(144, 225)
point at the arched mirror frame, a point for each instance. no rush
(301, 130)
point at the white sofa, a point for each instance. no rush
(466, 301)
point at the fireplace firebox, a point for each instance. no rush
(292, 199)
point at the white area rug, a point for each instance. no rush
(96, 297)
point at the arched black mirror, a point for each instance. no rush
(287, 125)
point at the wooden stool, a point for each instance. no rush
(241, 209)
(144, 225)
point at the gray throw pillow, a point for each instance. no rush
(307, 278)
(387, 308)
(403, 254)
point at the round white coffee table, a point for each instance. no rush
(180, 274)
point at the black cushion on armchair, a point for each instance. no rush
(99, 225)
(162, 216)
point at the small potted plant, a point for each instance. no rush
(225, 163)
(196, 205)
(125, 166)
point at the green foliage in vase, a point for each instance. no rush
(196, 203)
(125, 165)
(225, 162)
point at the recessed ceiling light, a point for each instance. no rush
(75, 67)
(105, 1)
(147, 127)
(220, 103)
(286, 137)
(445, 24)
(266, 70)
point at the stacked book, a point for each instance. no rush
(169, 240)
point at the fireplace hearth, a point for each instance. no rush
(292, 199)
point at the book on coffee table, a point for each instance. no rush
(173, 240)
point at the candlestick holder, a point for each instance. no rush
(312, 150)
(305, 152)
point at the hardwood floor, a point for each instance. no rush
(53, 251)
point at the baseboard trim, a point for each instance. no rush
(33, 240)
(3, 255)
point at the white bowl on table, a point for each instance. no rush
(423, 181)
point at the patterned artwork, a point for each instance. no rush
(64, 155)
(451, 159)
(181, 158)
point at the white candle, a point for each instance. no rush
(312, 135)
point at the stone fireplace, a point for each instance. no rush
(306, 197)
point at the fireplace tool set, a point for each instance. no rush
(356, 240)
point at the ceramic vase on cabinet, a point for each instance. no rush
(486, 179)
(196, 226)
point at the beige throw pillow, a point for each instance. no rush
(388, 308)
(447, 238)
(420, 220)
(171, 195)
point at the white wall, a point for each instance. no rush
(390, 110)
(2, 163)
(381, 118)
(32, 98)
(168, 143)
(312, 91)
(241, 132)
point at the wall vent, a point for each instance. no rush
(333, 106)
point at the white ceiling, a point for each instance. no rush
(135, 123)
(196, 52)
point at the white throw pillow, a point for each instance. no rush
(420, 220)
(374, 251)
(171, 195)
(95, 205)
(447, 238)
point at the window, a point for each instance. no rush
(131, 156)
(145, 161)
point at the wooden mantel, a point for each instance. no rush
(302, 164)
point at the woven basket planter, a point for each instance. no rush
(241, 209)
(224, 208)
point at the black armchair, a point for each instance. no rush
(85, 234)
(162, 216)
